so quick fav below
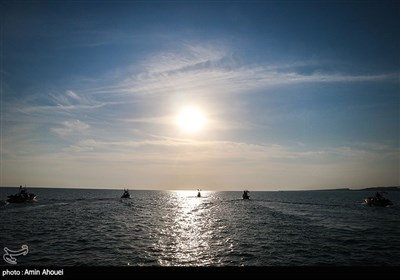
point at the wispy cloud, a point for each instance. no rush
(207, 69)
(72, 95)
(186, 58)
(69, 127)
(70, 100)
(58, 103)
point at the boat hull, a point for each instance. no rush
(17, 198)
(373, 201)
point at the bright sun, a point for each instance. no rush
(191, 119)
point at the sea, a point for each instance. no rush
(92, 227)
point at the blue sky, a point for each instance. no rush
(294, 94)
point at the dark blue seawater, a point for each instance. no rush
(70, 227)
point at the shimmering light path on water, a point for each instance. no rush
(68, 227)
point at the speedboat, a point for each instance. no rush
(126, 194)
(377, 200)
(246, 194)
(22, 196)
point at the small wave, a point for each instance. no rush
(4, 203)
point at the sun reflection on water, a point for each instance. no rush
(186, 238)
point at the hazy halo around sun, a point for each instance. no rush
(191, 119)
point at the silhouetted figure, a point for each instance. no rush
(198, 193)
(246, 194)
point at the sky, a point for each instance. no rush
(289, 95)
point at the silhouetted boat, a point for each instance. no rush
(246, 194)
(377, 200)
(22, 196)
(126, 194)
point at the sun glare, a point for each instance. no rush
(191, 119)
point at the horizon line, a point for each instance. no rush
(209, 190)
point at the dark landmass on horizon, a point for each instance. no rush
(388, 188)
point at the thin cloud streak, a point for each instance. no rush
(208, 70)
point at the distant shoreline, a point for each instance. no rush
(390, 188)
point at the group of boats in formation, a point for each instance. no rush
(24, 196)
(126, 194)
(376, 200)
